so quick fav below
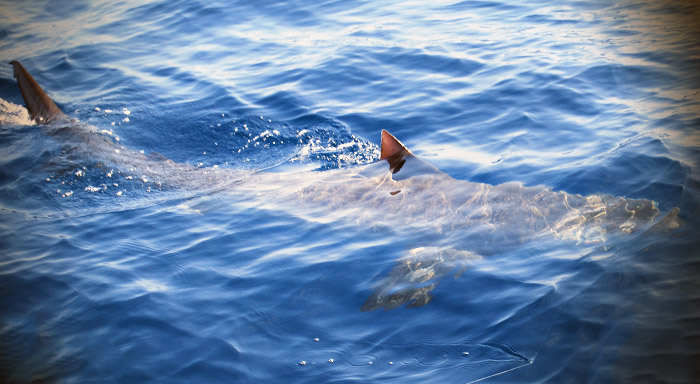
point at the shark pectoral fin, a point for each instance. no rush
(422, 296)
(156, 156)
(416, 275)
(668, 223)
(460, 272)
(40, 106)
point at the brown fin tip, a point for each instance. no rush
(390, 145)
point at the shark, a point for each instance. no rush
(459, 221)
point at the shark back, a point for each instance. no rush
(41, 108)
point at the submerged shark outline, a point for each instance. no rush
(415, 275)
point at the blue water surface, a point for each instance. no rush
(109, 275)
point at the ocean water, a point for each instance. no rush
(260, 258)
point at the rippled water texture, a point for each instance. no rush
(218, 213)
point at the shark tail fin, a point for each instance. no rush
(41, 108)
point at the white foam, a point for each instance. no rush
(11, 113)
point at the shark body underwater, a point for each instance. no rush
(458, 221)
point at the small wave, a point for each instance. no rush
(333, 148)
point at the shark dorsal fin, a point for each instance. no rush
(391, 146)
(397, 155)
(41, 108)
(393, 151)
